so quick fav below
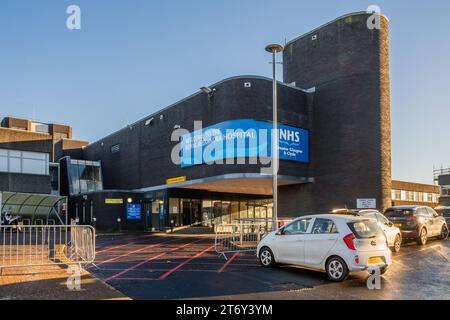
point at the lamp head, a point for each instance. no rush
(274, 48)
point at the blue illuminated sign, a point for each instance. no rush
(133, 212)
(243, 139)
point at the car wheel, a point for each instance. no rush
(423, 237)
(444, 233)
(337, 269)
(397, 243)
(266, 257)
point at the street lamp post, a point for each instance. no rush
(274, 49)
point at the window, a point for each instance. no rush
(43, 128)
(382, 219)
(243, 214)
(403, 195)
(365, 229)
(322, 226)
(86, 176)
(399, 213)
(423, 212)
(435, 197)
(396, 195)
(24, 162)
(3, 164)
(234, 211)
(297, 227)
(54, 178)
(420, 196)
(431, 212)
(33, 166)
(370, 215)
(115, 148)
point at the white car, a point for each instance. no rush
(393, 234)
(334, 244)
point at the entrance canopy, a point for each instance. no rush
(33, 207)
(244, 183)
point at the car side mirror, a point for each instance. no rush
(280, 232)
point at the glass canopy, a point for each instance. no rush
(34, 208)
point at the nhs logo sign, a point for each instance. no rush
(243, 138)
(290, 135)
(293, 144)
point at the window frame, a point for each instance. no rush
(308, 230)
(322, 233)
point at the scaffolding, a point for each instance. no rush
(440, 172)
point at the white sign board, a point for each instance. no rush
(366, 203)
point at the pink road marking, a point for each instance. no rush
(226, 264)
(150, 259)
(102, 242)
(136, 279)
(193, 264)
(136, 251)
(117, 247)
(168, 273)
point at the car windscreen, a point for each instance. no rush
(365, 229)
(399, 213)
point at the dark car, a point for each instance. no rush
(418, 222)
(444, 212)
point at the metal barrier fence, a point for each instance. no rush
(38, 245)
(243, 236)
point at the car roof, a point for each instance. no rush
(334, 216)
(405, 207)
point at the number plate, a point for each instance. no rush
(376, 260)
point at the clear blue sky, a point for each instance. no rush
(134, 57)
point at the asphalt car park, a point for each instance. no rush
(144, 266)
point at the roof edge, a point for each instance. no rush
(357, 13)
(195, 94)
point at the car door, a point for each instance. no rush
(435, 222)
(320, 241)
(389, 229)
(290, 243)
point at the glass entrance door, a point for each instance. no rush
(196, 207)
(147, 215)
(187, 212)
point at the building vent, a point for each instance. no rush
(314, 37)
(115, 148)
(247, 84)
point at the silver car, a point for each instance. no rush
(393, 234)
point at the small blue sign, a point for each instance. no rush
(133, 212)
(243, 138)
